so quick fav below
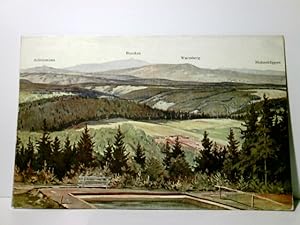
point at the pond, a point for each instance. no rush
(163, 205)
(121, 199)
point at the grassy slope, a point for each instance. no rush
(218, 129)
(214, 100)
(102, 137)
(145, 133)
(211, 98)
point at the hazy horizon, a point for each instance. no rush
(223, 68)
(215, 52)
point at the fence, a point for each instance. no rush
(93, 181)
(252, 196)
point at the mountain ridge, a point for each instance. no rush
(172, 72)
(189, 72)
(47, 69)
(110, 65)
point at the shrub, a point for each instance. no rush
(154, 169)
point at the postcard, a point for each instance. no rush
(165, 123)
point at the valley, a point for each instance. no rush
(189, 117)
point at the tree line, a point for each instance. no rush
(65, 111)
(263, 155)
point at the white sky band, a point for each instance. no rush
(206, 52)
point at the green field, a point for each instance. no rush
(26, 96)
(146, 133)
(218, 129)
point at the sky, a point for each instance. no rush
(215, 52)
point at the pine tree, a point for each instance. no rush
(247, 164)
(265, 150)
(250, 123)
(218, 154)
(108, 156)
(206, 142)
(267, 115)
(30, 157)
(168, 155)
(233, 144)
(140, 156)
(69, 155)
(178, 166)
(231, 157)
(20, 160)
(120, 157)
(176, 150)
(281, 168)
(44, 149)
(204, 162)
(57, 162)
(85, 148)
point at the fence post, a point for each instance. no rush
(252, 201)
(220, 194)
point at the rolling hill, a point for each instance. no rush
(189, 72)
(46, 70)
(65, 111)
(159, 74)
(112, 65)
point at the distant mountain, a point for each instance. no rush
(112, 65)
(265, 72)
(46, 69)
(67, 79)
(159, 74)
(60, 79)
(189, 72)
(51, 75)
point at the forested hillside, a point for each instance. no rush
(65, 111)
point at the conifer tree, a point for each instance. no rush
(204, 162)
(168, 155)
(206, 142)
(120, 156)
(57, 162)
(250, 123)
(140, 156)
(30, 154)
(69, 155)
(265, 148)
(233, 144)
(85, 148)
(24, 155)
(249, 134)
(176, 150)
(20, 156)
(108, 156)
(178, 166)
(218, 154)
(231, 157)
(281, 166)
(44, 150)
